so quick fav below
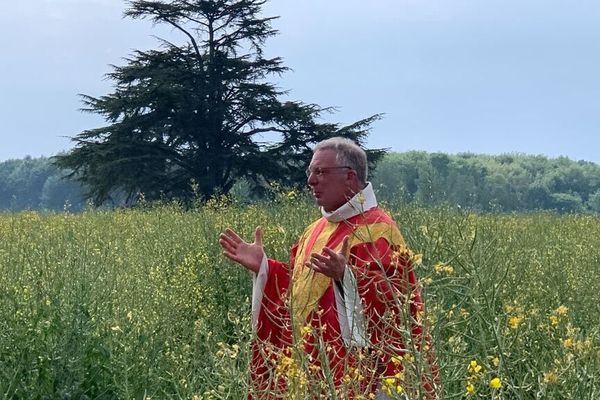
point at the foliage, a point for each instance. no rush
(34, 183)
(594, 201)
(488, 183)
(511, 182)
(140, 303)
(201, 112)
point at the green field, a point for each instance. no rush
(140, 304)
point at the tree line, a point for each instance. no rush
(504, 183)
(37, 184)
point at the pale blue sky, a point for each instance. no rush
(483, 76)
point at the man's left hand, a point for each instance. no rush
(330, 263)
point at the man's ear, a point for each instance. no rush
(352, 180)
(350, 177)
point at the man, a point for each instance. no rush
(345, 314)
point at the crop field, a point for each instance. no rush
(140, 304)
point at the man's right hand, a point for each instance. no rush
(249, 255)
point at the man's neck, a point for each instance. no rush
(359, 203)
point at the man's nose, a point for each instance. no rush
(312, 179)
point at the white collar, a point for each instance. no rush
(361, 202)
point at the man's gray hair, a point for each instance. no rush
(348, 154)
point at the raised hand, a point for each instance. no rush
(249, 255)
(330, 263)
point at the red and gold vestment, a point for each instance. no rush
(357, 328)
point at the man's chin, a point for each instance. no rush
(327, 209)
(320, 203)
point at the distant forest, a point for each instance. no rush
(503, 183)
(36, 184)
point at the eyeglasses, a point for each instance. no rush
(322, 171)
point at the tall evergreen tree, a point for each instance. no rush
(199, 111)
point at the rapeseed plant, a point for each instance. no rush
(139, 303)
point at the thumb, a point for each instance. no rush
(346, 247)
(258, 235)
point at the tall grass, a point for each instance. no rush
(141, 304)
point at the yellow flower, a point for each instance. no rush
(286, 366)
(496, 361)
(427, 281)
(391, 385)
(496, 383)
(443, 268)
(474, 368)
(417, 259)
(470, 389)
(550, 377)
(389, 381)
(568, 343)
(553, 320)
(515, 321)
(303, 380)
(581, 345)
(562, 310)
(306, 330)
(361, 198)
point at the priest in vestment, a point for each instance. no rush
(345, 314)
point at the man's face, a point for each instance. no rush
(332, 186)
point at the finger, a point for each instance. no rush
(346, 246)
(227, 246)
(224, 239)
(321, 268)
(258, 236)
(231, 234)
(314, 263)
(231, 256)
(330, 253)
(316, 266)
(319, 257)
(333, 256)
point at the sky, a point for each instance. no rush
(479, 76)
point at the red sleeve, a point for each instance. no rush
(272, 335)
(273, 313)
